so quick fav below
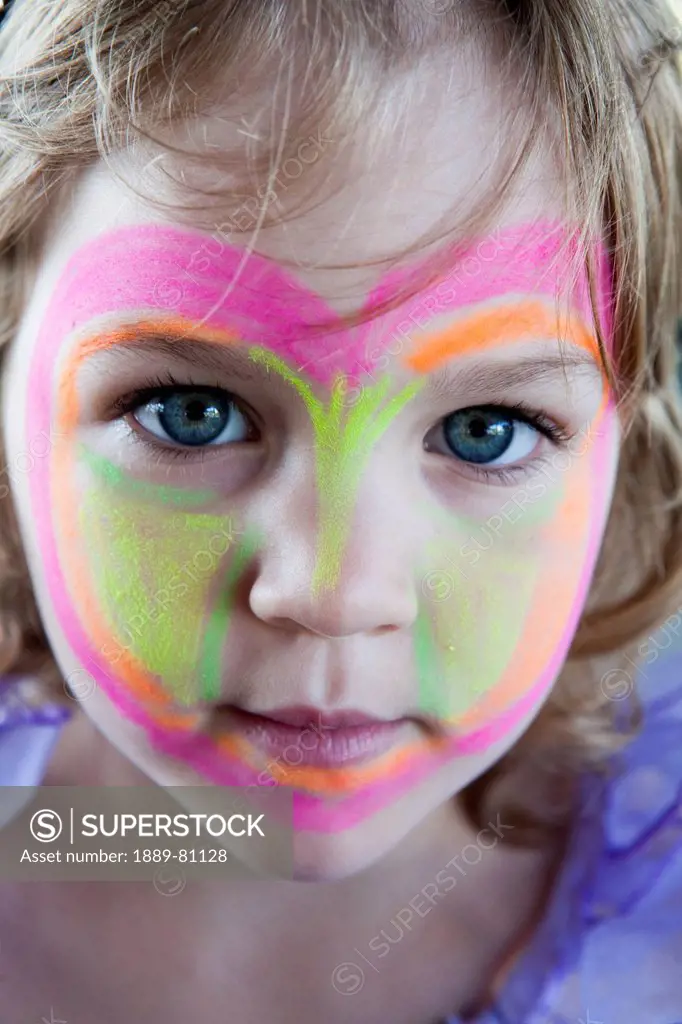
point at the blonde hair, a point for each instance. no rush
(82, 78)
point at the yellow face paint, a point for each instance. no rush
(481, 681)
(343, 445)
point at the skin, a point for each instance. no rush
(141, 531)
(416, 575)
(330, 529)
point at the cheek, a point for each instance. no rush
(152, 581)
(513, 592)
(142, 588)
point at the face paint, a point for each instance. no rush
(144, 536)
(110, 475)
(537, 654)
(153, 556)
(511, 322)
(342, 452)
(211, 666)
(515, 626)
(171, 562)
(487, 673)
(276, 315)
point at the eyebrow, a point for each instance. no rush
(233, 359)
(510, 374)
(450, 376)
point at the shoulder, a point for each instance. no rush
(648, 774)
(28, 734)
(629, 964)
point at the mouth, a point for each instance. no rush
(308, 736)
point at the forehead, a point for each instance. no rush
(204, 283)
(433, 137)
(424, 160)
(113, 249)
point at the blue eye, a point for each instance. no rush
(489, 436)
(193, 417)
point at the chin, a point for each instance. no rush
(332, 857)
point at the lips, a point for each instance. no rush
(307, 736)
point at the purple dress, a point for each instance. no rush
(609, 950)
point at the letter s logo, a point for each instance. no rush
(46, 826)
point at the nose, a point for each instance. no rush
(374, 590)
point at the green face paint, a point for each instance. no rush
(219, 620)
(343, 445)
(429, 665)
(468, 628)
(158, 573)
(478, 637)
(177, 630)
(112, 476)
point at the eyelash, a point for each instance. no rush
(557, 435)
(152, 388)
(124, 405)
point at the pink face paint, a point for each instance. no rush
(506, 615)
(127, 274)
(500, 636)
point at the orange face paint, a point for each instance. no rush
(487, 329)
(143, 257)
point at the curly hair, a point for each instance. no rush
(82, 79)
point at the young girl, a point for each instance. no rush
(342, 441)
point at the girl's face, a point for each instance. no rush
(351, 564)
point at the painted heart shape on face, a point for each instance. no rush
(128, 275)
(154, 267)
